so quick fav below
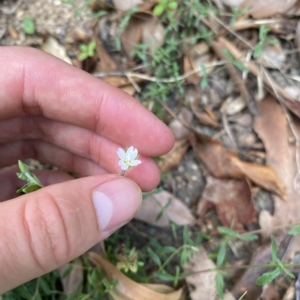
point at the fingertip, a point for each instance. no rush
(146, 175)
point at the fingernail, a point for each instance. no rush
(116, 202)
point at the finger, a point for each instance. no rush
(79, 141)
(9, 182)
(146, 175)
(46, 229)
(63, 93)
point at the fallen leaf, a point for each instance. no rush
(273, 128)
(127, 289)
(143, 28)
(267, 8)
(52, 47)
(201, 285)
(269, 293)
(193, 96)
(184, 117)
(195, 59)
(232, 106)
(272, 55)
(232, 199)
(106, 63)
(160, 208)
(246, 282)
(126, 5)
(224, 163)
(129, 89)
(262, 256)
(262, 8)
(73, 281)
(174, 157)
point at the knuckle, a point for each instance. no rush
(46, 232)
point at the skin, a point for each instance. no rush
(60, 115)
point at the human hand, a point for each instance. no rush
(63, 116)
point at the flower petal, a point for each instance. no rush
(123, 165)
(121, 153)
(135, 163)
(134, 154)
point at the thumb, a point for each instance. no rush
(46, 229)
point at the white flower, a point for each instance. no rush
(128, 158)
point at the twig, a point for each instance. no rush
(253, 68)
(232, 31)
(144, 235)
(155, 79)
(218, 47)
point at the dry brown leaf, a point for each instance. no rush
(273, 128)
(267, 8)
(174, 157)
(197, 56)
(262, 256)
(246, 282)
(232, 199)
(193, 97)
(184, 117)
(126, 5)
(52, 47)
(262, 8)
(202, 285)
(161, 208)
(143, 28)
(129, 89)
(272, 55)
(106, 63)
(232, 106)
(269, 293)
(127, 289)
(224, 163)
(73, 281)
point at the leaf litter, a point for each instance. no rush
(220, 91)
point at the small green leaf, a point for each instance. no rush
(274, 252)
(240, 66)
(160, 214)
(83, 47)
(222, 253)
(183, 256)
(28, 26)
(33, 182)
(257, 50)
(154, 256)
(220, 285)
(283, 268)
(295, 230)
(83, 56)
(185, 235)
(268, 277)
(248, 237)
(164, 276)
(173, 5)
(92, 46)
(21, 176)
(28, 188)
(158, 10)
(23, 167)
(228, 231)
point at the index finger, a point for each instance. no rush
(35, 83)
